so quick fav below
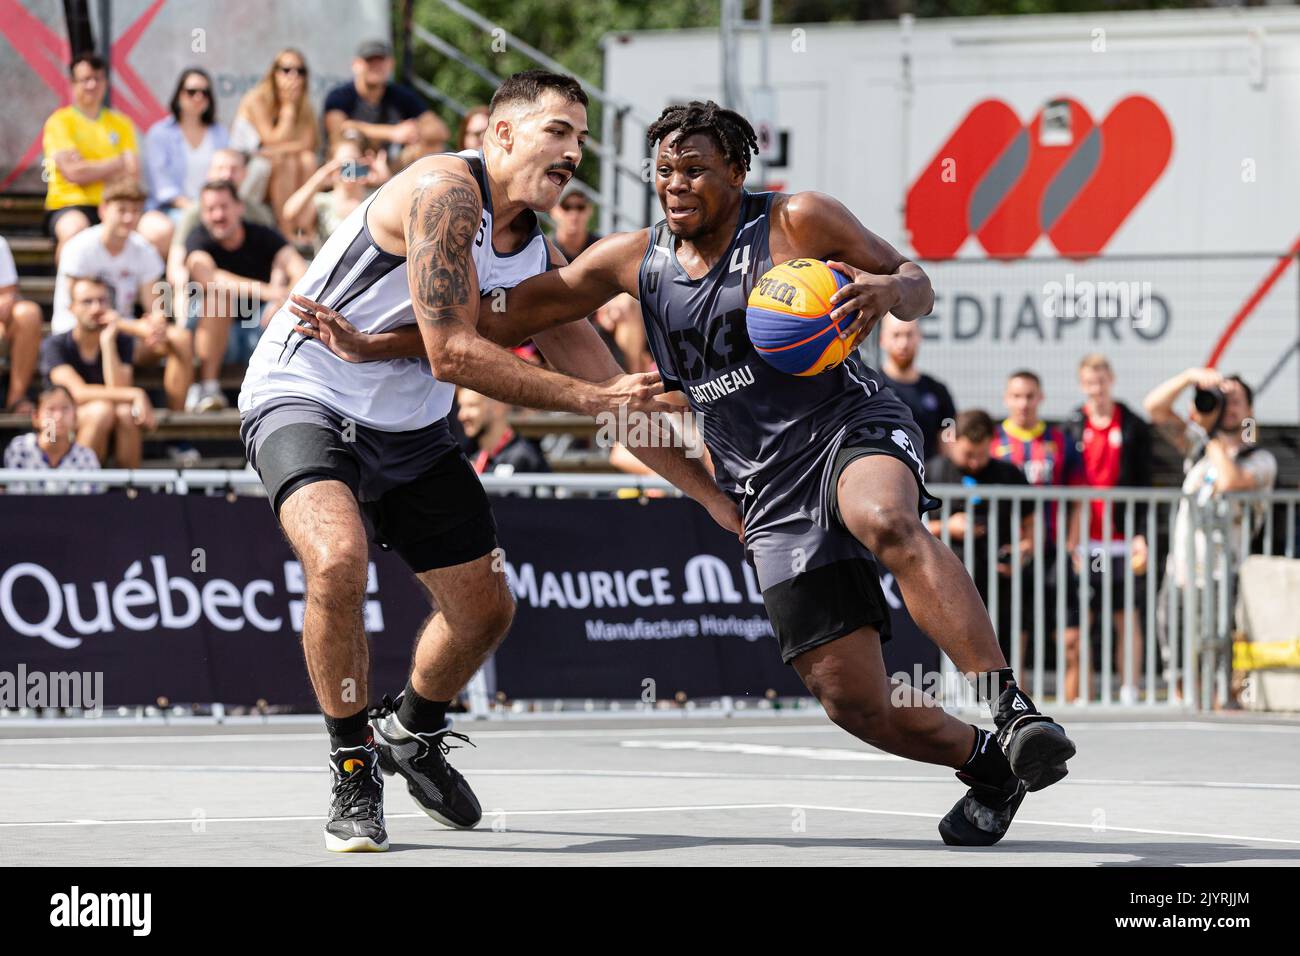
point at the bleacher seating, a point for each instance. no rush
(567, 439)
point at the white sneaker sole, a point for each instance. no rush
(359, 844)
(432, 815)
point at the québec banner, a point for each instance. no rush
(199, 599)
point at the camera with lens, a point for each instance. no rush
(1207, 400)
(1210, 401)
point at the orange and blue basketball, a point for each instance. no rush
(789, 318)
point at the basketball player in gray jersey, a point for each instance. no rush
(826, 469)
(345, 417)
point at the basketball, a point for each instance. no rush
(789, 318)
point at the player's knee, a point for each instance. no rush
(336, 573)
(495, 619)
(887, 527)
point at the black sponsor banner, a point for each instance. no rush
(628, 599)
(187, 597)
(199, 599)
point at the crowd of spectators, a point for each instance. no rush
(192, 231)
(199, 228)
(1103, 444)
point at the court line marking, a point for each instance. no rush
(745, 730)
(651, 774)
(589, 811)
(392, 816)
(1077, 826)
(760, 750)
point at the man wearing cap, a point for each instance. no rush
(572, 215)
(383, 112)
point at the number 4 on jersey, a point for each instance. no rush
(740, 260)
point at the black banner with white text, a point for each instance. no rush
(198, 599)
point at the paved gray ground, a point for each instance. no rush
(669, 792)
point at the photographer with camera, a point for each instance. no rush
(1220, 455)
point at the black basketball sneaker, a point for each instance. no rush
(1036, 746)
(983, 816)
(356, 815)
(435, 785)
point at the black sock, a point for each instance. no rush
(420, 715)
(990, 685)
(986, 763)
(351, 731)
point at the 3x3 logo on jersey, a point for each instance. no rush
(724, 343)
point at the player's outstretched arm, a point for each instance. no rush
(576, 349)
(883, 280)
(443, 219)
(565, 293)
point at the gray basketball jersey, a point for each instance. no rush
(354, 276)
(773, 436)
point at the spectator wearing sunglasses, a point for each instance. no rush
(277, 123)
(179, 148)
(572, 215)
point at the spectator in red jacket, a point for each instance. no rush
(1115, 444)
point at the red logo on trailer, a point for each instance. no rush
(1062, 175)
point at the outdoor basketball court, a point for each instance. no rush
(661, 791)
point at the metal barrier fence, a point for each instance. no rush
(1162, 616)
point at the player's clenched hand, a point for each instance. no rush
(869, 295)
(724, 512)
(328, 327)
(639, 391)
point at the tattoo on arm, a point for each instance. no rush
(443, 222)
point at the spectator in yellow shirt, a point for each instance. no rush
(86, 146)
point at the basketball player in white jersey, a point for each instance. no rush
(341, 417)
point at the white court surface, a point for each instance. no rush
(1144, 790)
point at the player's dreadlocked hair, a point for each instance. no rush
(728, 128)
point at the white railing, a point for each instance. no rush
(1165, 630)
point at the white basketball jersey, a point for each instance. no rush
(368, 286)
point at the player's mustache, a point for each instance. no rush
(566, 166)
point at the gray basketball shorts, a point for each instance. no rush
(421, 496)
(818, 581)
